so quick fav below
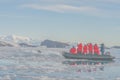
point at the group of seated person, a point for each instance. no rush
(85, 49)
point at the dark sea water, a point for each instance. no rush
(28, 64)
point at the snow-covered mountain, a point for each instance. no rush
(8, 44)
(15, 39)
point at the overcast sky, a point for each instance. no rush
(84, 21)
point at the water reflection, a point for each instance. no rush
(87, 65)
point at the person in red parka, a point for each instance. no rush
(73, 50)
(85, 49)
(96, 49)
(90, 48)
(79, 49)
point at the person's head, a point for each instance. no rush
(95, 44)
(73, 47)
(102, 44)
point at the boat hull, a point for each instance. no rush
(88, 56)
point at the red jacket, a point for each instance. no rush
(73, 50)
(90, 48)
(96, 49)
(79, 49)
(85, 51)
